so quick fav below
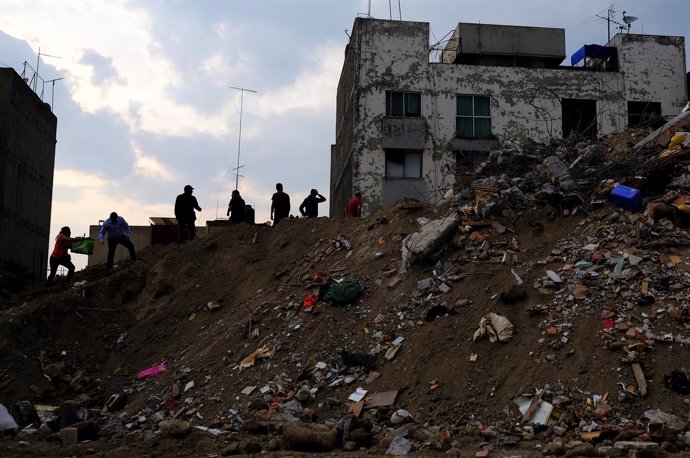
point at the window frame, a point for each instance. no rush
(402, 154)
(473, 116)
(405, 94)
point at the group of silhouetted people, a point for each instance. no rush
(118, 231)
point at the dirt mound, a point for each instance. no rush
(595, 297)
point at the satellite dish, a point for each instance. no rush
(629, 19)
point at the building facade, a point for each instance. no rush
(27, 160)
(403, 122)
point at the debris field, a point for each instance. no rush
(539, 310)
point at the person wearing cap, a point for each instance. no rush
(60, 257)
(354, 206)
(185, 204)
(118, 234)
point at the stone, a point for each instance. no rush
(253, 447)
(361, 437)
(69, 436)
(431, 236)
(650, 447)
(151, 438)
(602, 410)
(45, 431)
(232, 449)
(273, 445)
(27, 433)
(482, 454)
(675, 424)
(113, 428)
(309, 437)
(350, 446)
(174, 428)
(560, 431)
(293, 409)
(581, 450)
(609, 451)
(399, 446)
(553, 448)
(254, 427)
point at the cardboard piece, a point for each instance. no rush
(380, 399)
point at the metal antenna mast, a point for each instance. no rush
(38, 62)
(239, 139)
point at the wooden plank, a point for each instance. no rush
(639, 377)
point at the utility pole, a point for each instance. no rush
(239, 138)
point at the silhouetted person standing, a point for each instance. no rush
(118, 234)
(236, 208)
(310, 206)
(185, 204)
(280, 204)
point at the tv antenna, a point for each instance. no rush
(239, 139)
(610, 15)
(38, 62)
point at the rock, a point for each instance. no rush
(553, 448)
(55, 370)
(602, 410)
(505, 440)
(258, 404)
(88, 430)
(273, 445)
(27, 433)
(685, 438)
(174, 428)
(647, 447)
(309, 437)
(69, 436)
(253, 447)
(482, 454)
(361, 437)
(399, 446)
(113, 428)
(400, 416)
(431, 236)
(45, 431)
(254, 427)
(668, 447)
(658, 418)
(609, 450)
(350, 446)
(560, 431)
(151, 438)
(581, 450)
(232, 449)
(293, 409)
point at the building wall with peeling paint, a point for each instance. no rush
(654, 69)
(525, 103)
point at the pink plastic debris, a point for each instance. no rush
(151, 371)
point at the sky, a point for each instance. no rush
(145, 104)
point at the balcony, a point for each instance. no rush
(404, 133)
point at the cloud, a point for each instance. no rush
(312, 89)
(149, 166)
(102, 69)
(77, 179)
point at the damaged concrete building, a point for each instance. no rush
(403, 123)
(27, 159)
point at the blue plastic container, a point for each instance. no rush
(627, 198)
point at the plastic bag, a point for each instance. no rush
(84, 246)
(346, 291)
(7, 423)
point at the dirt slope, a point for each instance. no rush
(96, 337)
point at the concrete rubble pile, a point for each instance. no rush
(622, 266)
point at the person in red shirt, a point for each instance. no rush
(354, 206)
(60, 257)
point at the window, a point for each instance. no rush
(474, 117)
(403, 164)
(404, 104)
(642, 114)
(579, 117)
